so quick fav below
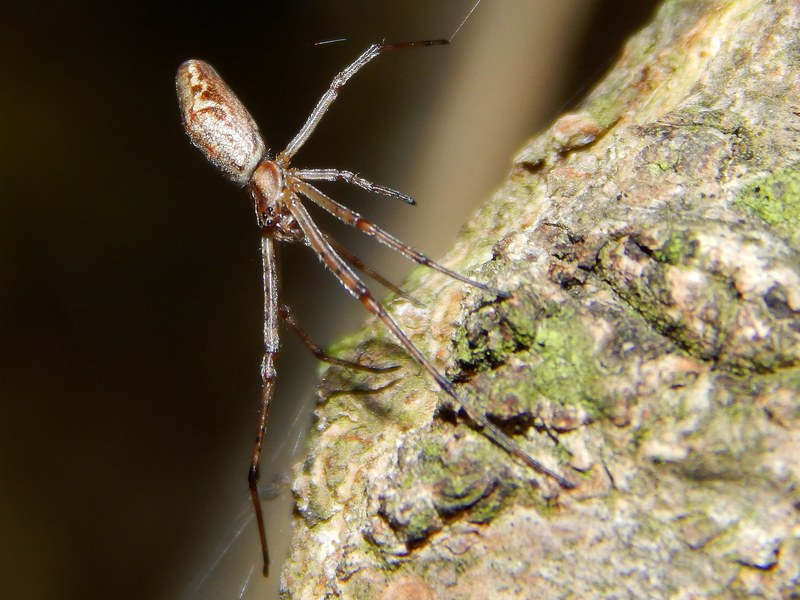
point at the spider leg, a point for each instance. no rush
(351, 217)
(319, 353)
(359, 264)
(329, 97)
(356, 287)
(268, 376)
(352, 178)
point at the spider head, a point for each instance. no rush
(268, 189)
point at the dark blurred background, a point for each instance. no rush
(129, 276)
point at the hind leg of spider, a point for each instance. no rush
(351, 217)
(320, 354)
(268, 377)
(361, 266)
(356, 287)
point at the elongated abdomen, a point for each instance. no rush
(217, 122)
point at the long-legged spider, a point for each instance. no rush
(219, 125)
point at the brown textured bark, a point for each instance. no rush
(651, 350)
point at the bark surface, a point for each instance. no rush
(650, 351)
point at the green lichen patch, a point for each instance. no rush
(606, 108)
(680, 248)
(693, 318)
(522, 353)
(568, 370)
(493, 332)
(778, 396)
(711, 290)
(490, 505)
(441, 478)
(776, 199)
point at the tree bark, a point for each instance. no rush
(650, 351)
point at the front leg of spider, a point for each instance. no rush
(219, 125)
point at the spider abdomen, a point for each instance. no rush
(217, 123)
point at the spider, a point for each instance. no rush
(219, 125)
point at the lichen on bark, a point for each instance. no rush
(651, 349)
